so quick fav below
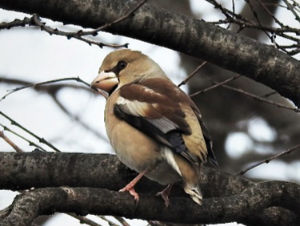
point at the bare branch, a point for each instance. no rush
(239, 207)
(30, 85)
(46, 169)
(261, 99)
(10, 142)
(110, 223)
(297, 147)
(284, 31)
(77, 35)
(36, 21)
(40, 139)
(122, 221)
(292, 9)
(31, 143)
(192, 74)
(216, 85)
(46, 88)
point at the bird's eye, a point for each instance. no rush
(121, 65)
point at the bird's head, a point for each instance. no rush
(124, 66)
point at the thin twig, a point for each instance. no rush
(35, 20)
(270, 159)
(76, 35)
(254, 13)
(192, 74)
(30, 143)
(216, 85)
(10, 80)
(17, 23)
(10, 142)
(40, 139)
(283, 30)
(233, 6)
(291, 8)
(53, 95)
(77, 79)
(110, 223)
(122, 221)
(270, 13)
(256, 97)
(264, 100)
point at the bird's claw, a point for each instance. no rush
(164, 197)
(131, 191)
(165, 194)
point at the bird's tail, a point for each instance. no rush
(195, 192)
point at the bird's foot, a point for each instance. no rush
(165, 194)
(131, 191)
(130, 186)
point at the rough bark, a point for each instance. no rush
(40, 169)
(227, 197)
(194, 37)
(240, 208)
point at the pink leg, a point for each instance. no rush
(165, 194)
(130, 186)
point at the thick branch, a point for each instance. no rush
(40, 169)
(44, 169)
(197, 38)
(239, 207)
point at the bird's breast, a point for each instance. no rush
(134, 149)
(137, 150)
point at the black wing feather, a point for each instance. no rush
(172, 138)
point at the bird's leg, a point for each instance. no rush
(165, 194)
(130, 186)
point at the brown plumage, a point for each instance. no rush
(154, 127)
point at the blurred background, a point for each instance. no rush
(243, 129)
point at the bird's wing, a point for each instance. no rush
(209, 144)
(154, 106)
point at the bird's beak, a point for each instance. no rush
(105, 81)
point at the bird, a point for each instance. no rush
(153, 126)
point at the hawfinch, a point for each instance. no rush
(154, 127)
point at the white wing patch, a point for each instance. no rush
(140, 109)
(169, 156)
(134, 107)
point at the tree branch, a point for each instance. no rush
(283, 153)
(240, 207)
(44, 169)
(10, 142)
(241, 54)
(227, 197)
